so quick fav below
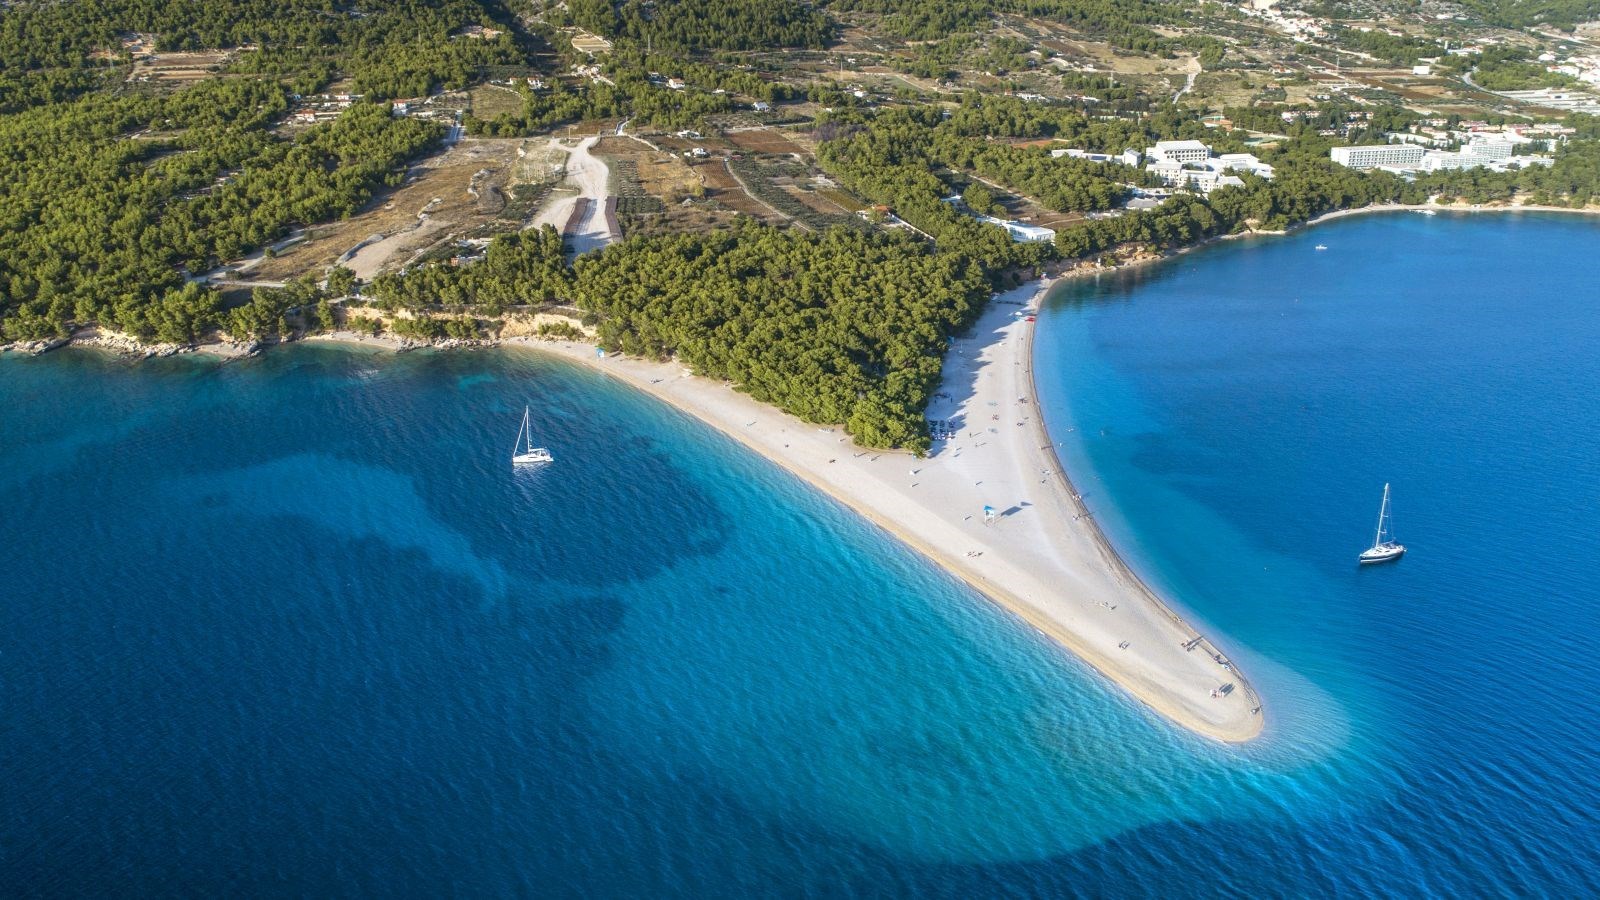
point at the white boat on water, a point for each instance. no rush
(525, 453)
(1383, 546)
(1322, 246)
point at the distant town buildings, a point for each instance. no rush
(1564, 99)
(1497, 153)
(1291, 22)
(314, 108)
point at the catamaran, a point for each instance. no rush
(1383, 546)
(525, 453)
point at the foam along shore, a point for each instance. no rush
(1042, 557)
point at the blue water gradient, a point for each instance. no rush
(1232, 416)
(292, 624)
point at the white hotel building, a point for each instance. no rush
(1372, 156)
(1179, 152)
(1491, 153)
(1190, 164)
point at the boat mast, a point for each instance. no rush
(528, 441)
(1383, 512)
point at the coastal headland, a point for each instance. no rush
(1039, 555)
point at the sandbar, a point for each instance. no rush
(1042, 557)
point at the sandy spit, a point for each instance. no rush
(1042, 557)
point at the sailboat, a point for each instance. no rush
(1383, 549)
(525, 453)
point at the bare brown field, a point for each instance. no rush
(663, 175)
(692, 219)
(668, 177)
(1221, 89)
(584, 42)
(1103, 55)
(815, 200)
(841, 199)
(891, 79)
(712, 143)
(433, 205)
(1056, 220)
(179, 66)
(587, 127)
(1024, 210)
(620, 146)
(765, 140)
(722, 187)
(855, 39)
(803, 139)
(490, 100)
(536, 162)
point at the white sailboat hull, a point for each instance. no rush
(1382, 553)
(1383, 549)
(525, 453)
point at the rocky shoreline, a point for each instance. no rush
(130, 347)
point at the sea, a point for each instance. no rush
(292, 625)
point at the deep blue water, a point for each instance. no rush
(1233, 415)
(292, 625)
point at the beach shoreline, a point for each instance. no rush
(1080, 270)
(1047, 530)
(1042, 559)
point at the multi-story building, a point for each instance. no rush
(1437, 160)
(1372, 156)
(1178, 152)
(1190, 164)
(1487, 149)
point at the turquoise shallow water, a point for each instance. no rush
(291, 625)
